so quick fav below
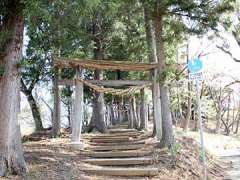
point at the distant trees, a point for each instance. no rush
(35, 70)
(230, 23)
(226, 107)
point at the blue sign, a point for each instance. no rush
(195, 65)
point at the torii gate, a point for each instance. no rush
(79, 64)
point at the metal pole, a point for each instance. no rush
(203, 157)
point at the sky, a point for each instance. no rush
(216, 61)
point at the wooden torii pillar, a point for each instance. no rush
(78, 113)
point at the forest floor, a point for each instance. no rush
(54, 159)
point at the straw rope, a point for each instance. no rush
(117, 92)
(103, 64)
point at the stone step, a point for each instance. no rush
(116, 143)
(116, 147)
(112, 131)
(116, 154)
(118, 139)
(110, 140)
(114, 135)
(123, 126)
(107, 171)
(107, 136)
(120, 162)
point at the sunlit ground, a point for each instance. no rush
(216, 144)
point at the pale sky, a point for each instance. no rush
(216, 62)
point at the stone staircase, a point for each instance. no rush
(119, 152)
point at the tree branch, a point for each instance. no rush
(24, 88)
(228, 52)
(234, 33)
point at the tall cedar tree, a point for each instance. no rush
(189, 17)
(11, 40)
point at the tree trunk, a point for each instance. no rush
(35, 112)
(34, 107)
(167, 131)
(69, 114)
(120, 111)
(50, 109)
(143, 111)
(11, 153)
(237, 126)
(113, 118)
(69, 108)
(189, 109)
(135, 113)
(218, 118)
(195, 119)
(57, 105)
(138, 109)
(189, 100)
(98, 118)
(151, 44)
(227, 130)
(130, 116)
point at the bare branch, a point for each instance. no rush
(228, 52)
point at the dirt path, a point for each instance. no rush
(227, 148)
(234, 157)
(132, 153)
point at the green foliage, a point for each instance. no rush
(176, 149)
(69, 29)
(167, 74)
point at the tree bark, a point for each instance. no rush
(143, 112)
(167, 131)
(189, 100)
(138, 109)
(237, 125)
(151, 44)
(69, 114)
(132, 114)
(135, 113)
(120, 111)
(218, 118)
(227, 130)
(11, 153)
(189, 109)
(113, 117)
(56, 112)
(33, 105)
(195, 119)
(98, 118)
(130, 117)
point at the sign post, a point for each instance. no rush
(195, 67)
